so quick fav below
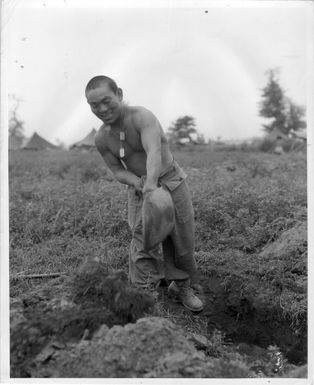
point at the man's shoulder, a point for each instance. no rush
(141, 116)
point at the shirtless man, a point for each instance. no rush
(134, 147)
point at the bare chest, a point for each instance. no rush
(124, 144)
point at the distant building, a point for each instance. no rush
(277, 135)
(36, 142)
(87, 143)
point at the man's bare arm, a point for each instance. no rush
(151, 141)
(120, 173)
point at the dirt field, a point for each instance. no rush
(68, 215)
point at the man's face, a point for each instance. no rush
(104, 103)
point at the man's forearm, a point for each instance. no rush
(127, 177)
(153, 167)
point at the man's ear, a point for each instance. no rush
(120, 93)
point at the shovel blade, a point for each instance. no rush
(158, 217)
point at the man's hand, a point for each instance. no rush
(138, 187)
(149, 187)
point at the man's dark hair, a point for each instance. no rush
(96, 81)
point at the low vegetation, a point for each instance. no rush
(251, 215)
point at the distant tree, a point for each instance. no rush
(16, 125)
(285, 114)
(273, 103)
(295, 117)
(182, 128)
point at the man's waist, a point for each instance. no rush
(172, 170)
(171, 176)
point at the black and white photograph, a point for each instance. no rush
(155, 190)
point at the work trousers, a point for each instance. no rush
(174, 258)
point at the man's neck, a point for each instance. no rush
(119, 124)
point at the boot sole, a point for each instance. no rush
(193, 310)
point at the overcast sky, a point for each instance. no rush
(207, 62)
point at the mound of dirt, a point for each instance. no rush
(40, 329)
(293, 240)
(288, 271)
(153, 347)
(94, 285)
(40, 321)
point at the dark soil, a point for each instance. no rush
(251, 328)
(241, 320)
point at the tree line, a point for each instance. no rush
(280, 112)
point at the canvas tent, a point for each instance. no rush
(86, 143)
(36, 142)
(277, 135)
(15, 142)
